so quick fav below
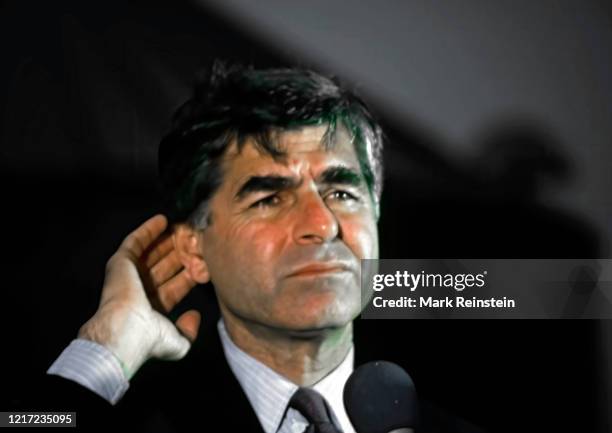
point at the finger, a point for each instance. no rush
(158, 250)
(171, 292)
(189, 324)
(166, 269)
(140, 239)
(122, 279)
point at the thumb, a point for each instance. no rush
(171, 344)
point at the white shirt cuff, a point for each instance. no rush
(93, 366)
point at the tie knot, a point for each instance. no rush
(312, 406)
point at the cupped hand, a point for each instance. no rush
(144, 280)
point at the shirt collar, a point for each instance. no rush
(269, 392)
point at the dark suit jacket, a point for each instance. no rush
(198, 393)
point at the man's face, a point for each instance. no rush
(284, 246)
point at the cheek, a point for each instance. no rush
(361, 236)
(255, 248)
(264, 241)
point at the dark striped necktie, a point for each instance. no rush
(315, 409)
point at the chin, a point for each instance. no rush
(332, 317)
(313, 331)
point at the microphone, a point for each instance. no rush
(380, 397)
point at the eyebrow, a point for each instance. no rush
(336, 175)
(265, 184)
(340, 175)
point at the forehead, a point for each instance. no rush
(301, 148)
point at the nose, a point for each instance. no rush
(314, 221)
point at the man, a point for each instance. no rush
(274, 178)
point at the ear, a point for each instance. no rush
(187, 246)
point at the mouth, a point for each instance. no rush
(319, 270)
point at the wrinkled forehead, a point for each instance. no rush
(306, 144)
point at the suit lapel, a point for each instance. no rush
(198, 393)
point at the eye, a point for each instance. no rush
(268, 201)
(342, 195)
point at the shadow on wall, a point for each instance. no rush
(494, 206)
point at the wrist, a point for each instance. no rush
(127, 336)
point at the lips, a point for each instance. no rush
(319, 269)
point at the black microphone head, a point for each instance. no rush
(380, 397)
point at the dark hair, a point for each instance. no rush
(235, 103)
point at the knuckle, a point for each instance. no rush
(168, 299)
(111, 262)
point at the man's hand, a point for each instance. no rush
(144, 278)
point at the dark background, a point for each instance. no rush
(498, 123)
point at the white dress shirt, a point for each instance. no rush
(269, 392)
(96, 368)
